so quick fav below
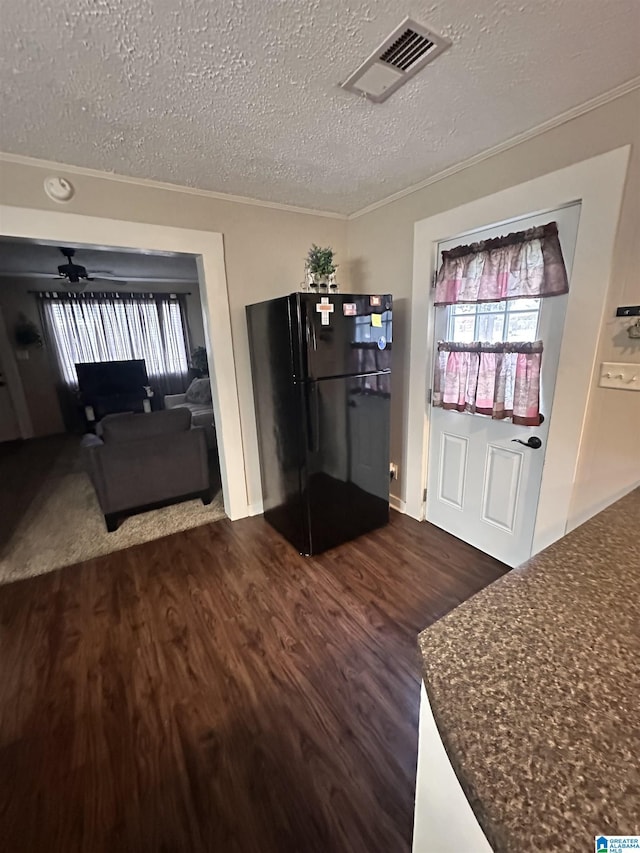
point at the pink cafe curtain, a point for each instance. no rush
(521, 265)
(500, 380)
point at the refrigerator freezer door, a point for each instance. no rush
(344, 334)
(346, 487)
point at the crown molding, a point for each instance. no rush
(563, 118)
(22, 160)
(538, 130)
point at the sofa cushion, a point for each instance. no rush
(196, 409)
(125, 427)
(199, 392)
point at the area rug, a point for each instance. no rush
(62, 523)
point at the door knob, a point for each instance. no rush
(534, 442)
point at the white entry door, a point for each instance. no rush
(483, 483)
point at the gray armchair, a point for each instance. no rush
(144, 461)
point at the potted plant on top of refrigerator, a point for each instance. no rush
(320, 269)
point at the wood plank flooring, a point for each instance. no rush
(214, 691)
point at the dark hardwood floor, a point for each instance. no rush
(214, 691)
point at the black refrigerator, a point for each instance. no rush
(321, 368)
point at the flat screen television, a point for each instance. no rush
(112, 378)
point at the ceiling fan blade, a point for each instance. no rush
(106, 276)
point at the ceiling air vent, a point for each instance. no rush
(401, 55)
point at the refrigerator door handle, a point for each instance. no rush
(310, 332)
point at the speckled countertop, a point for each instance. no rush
(535, 688)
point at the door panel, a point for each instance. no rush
(347, 469)
(501, 486)
(368, 424)
(354, 336)
(453, 467)
(487, 494)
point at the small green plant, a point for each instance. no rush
(26, 333)
(320, 261)
(199, 362)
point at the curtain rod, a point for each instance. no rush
(117, 292)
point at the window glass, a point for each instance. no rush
(523, 326)
(118, 328)
(490, 327)
(512, 320)
(463, 329)
(525, 305)
(491, 307)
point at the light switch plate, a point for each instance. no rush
(619, 375)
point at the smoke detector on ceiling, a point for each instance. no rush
(400, 56)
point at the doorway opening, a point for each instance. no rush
(128, 339)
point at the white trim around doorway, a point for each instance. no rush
(599, 184)
(208, 248)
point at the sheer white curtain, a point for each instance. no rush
(109, 327)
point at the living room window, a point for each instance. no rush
(114, 327)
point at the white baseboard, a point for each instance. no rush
(397, 504)
(394, 502)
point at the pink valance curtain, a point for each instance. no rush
(522, 265)
(500, 380)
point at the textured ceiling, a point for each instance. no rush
(241, 96)
(24, 257)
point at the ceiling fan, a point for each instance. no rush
(77, 274)
(77, 277)
(73, 273)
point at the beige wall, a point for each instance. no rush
(264, 248)
(37, 372)
(380, 246)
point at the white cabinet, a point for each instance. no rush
(444, 821)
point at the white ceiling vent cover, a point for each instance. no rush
(401, 55)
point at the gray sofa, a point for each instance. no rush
(197, 399)
(143, 461)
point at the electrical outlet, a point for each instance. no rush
(393, 471)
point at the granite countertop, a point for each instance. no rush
(535, 687)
